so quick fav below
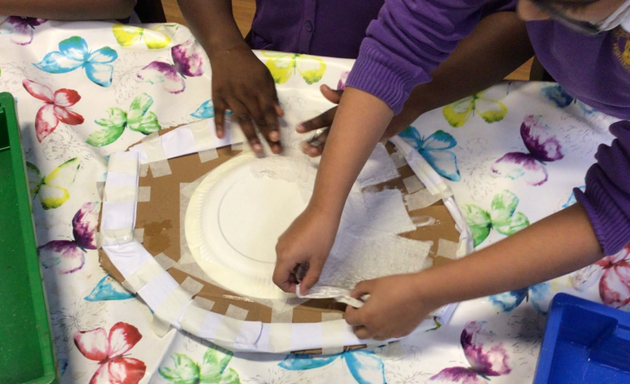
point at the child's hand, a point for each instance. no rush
(395, 307)
(241, 83)
(315, 146)
(307, 242)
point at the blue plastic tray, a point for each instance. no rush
(584, 342)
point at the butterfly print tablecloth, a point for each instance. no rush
(512, 155)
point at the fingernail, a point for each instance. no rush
(257, 147)
(300, 128)
(274, 136)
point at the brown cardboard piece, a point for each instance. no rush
(159, 217)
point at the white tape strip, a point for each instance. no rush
(413, 184)
(237, 147)
(231, 325)
(144, 194)
(204, 140)
(332, 333)
(280, 330)
(447, 248)
(398, 157)
(120, 193)
(341, 295)
(156, 157)
(164, 261)
(173, 305)
(100, 189)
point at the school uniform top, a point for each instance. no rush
(411, 37)
(318, 27)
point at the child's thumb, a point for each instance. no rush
(312, 276)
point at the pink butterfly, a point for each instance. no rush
(613, 274)
(69, 255)
(542, 146)
(109, 351)
(57, 108)
(187, 61)
(485, 356)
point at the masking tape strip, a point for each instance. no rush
(147, 272)
(156, 157)
(447, 248)
(144, 194)
(424, 198)
(231, 325)
(209, 155)
(165, 262)
(100, 189)
(138, 235)
(120, 193)
(122, 164)
(332, 333)
(171, 308)
(203, 142)
(398, 157)
(237, 147)
(413, 184)
(280, 330)
(115, 236)
(144, 170)
(195, 314)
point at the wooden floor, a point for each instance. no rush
(244, 13)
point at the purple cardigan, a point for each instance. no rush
(411, 37)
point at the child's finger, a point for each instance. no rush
(362, 289)
(219, 117)
(282, 275)
(312, 275)
(321, 121)
(334, 96)
(354, 316)
(363, 332)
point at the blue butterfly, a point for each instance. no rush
(435, 150)
(206, 110)
(557, 95)
(536, 294)
(108, 289)
(365, 366)
(74, 54)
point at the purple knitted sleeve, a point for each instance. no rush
(607, 196)
(408, 41)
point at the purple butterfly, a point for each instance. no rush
(69, 255)
(187, 61)
(542, 146)
(485, 356)
(20, 28)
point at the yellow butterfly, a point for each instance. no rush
(52, 188)
(126, 35)
(282, 66)
(458, 113)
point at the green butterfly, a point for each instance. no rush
(458, 113)
(212, 369)
(501, 217)
(51, 189)
(137, 119)
(283, 65)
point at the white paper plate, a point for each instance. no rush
(233, 223)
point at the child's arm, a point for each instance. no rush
(552, 247)
(499, 42)
(240, 82)
(360, 123)
(68, 9)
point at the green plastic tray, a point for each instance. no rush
(26, 348)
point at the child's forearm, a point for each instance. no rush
(68, 9)
(358, 125)
(559, 244)
(213, 25)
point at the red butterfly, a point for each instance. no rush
(108, 350)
